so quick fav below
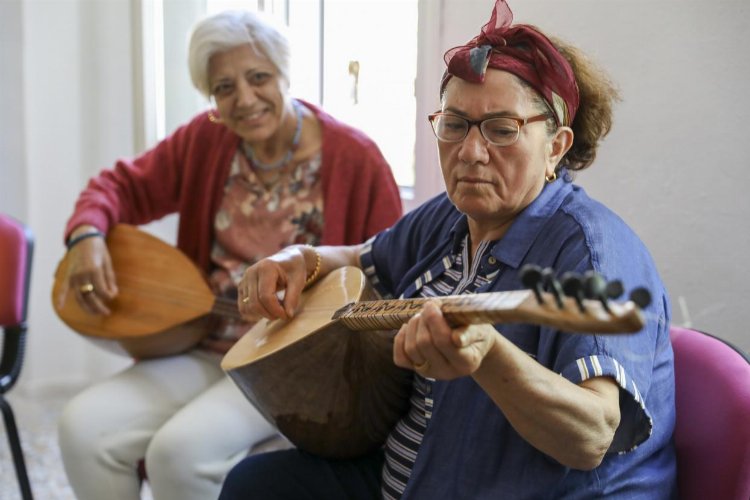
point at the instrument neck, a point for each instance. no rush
(519, 306)
(226, 308)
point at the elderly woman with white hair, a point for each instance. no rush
(260, 172)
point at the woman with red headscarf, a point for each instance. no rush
(506, 410)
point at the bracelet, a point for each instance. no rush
(76, 240)
(314, 275)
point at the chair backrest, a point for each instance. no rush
(16, 246)
(712, 431)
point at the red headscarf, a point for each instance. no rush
(523, 51)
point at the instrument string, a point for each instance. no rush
(155, 289)
(172, 296)
(159, 291)
(156, 284)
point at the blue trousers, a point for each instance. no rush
(296, 475)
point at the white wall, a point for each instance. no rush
(13, 178)
(673, 166)
(76, 112)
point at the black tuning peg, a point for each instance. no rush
(572, 286)
(531, 277)
(595, 287)
(614, 289)
(551, 284)
(641, 297)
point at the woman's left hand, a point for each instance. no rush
(428, 345)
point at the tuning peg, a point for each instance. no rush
(594, 287)
(551, 284)
(572, 286)
(614, 289)
(531, 277)
(641, 297)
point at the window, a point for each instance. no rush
(370, 64)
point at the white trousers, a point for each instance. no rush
(182, 413)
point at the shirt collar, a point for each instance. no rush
(458, 232)
(515, 244)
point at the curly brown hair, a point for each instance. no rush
(593, 119)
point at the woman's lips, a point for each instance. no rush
(474, 180)
(251, 118)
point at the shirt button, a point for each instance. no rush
(492, 260)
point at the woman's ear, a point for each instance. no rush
(558, 145)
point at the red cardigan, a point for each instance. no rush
(187, 171)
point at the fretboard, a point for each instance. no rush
(499, 307)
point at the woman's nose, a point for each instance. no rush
(245, 94)
(474, 148)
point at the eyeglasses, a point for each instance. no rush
(499, 131)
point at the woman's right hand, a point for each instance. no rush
(90, 275)
(271, 288)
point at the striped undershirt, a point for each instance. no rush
(403, 443)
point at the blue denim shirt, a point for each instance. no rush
(470, 451)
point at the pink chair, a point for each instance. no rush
(712, 433)
(16, 246)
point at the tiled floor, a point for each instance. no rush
(36, 422)
(36, 419)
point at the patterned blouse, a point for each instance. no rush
(256, 220)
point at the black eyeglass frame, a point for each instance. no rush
(520, 122)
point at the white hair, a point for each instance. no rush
(230, 29)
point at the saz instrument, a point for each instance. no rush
(164, 306)
(326, 377)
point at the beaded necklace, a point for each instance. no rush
(265, 167)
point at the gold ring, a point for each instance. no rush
(424, 366)
(87, 288)
(246, 300)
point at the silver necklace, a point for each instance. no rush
(267, 167)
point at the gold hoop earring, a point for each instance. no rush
(551, 178)
(212, 118)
